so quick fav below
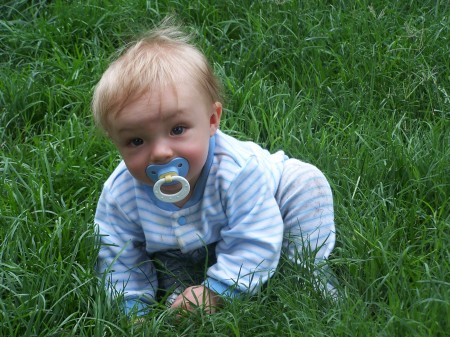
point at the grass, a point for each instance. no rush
(360, 89)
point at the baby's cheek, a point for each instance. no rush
(198, 160)
(137, 170)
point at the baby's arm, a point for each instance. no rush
(251, 241)
(122, 262)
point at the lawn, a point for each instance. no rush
(358, 88)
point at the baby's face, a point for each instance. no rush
(176, 121)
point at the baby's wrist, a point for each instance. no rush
(221, 288)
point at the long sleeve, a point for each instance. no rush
(122, 260)
(250, 245)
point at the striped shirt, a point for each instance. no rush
(235, 203)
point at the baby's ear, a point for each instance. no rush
(214, 120)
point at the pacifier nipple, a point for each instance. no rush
(169, 174)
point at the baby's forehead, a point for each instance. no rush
(169, 99)
(178, 89)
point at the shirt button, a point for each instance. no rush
(182, 220)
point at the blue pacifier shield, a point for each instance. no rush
(174, 172)
(179, 166)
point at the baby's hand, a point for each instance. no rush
(197, 296)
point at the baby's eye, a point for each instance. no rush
(136, 142)
(178, 130)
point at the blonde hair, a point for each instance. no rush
(161, 57)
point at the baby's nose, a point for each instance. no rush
(161, 152)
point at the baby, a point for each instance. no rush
(191, 214)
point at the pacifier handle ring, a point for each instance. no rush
(180, 195)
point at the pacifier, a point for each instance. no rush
(169, 174)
